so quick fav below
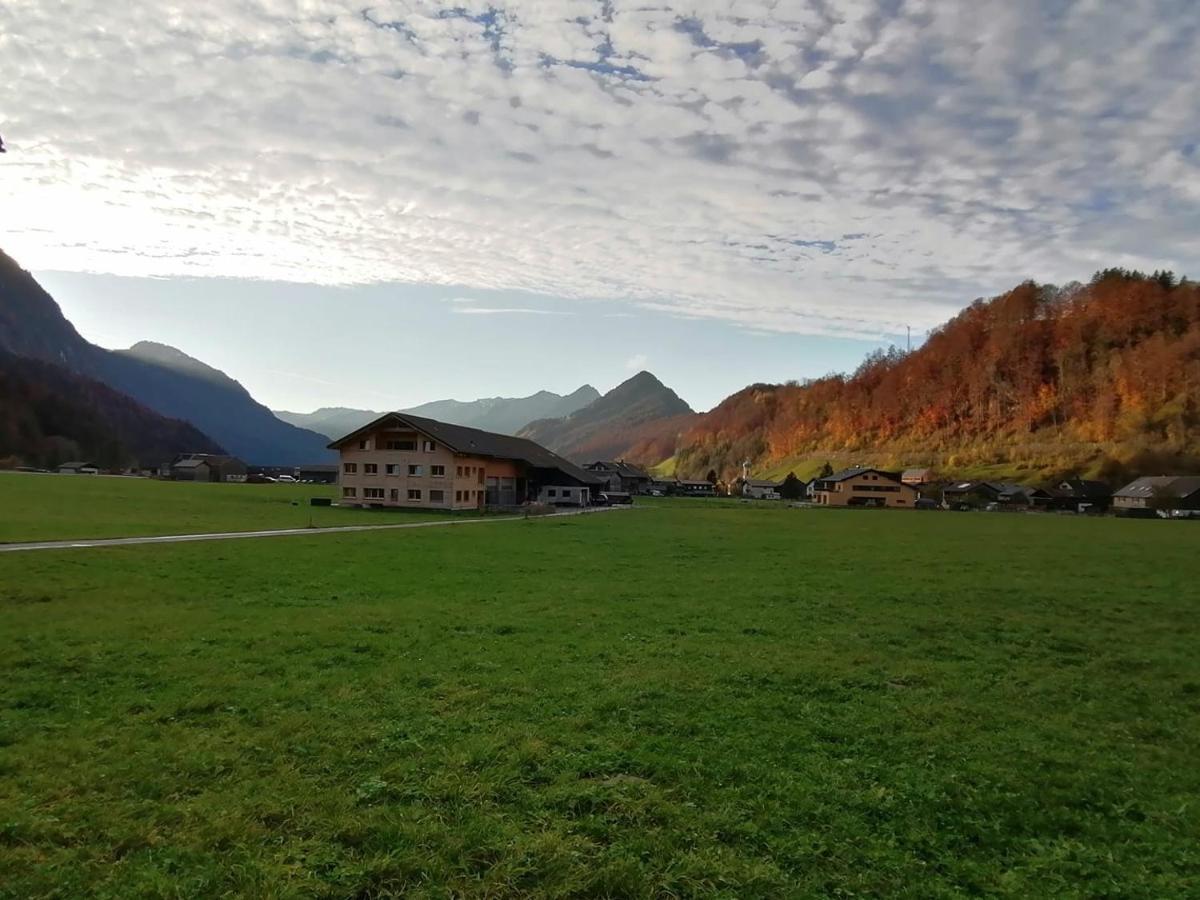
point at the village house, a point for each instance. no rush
(621, 476)
(757, 489)
(208, 467)
(411, 461)
(981, 493)
(1080, 495)
(690, 487)
(861, 486)
(917, 477)
(1177, 495)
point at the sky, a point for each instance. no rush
(331, 201)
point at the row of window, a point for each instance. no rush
(882, 488)
(414, 494)
(553, 492)
(468, 471)
(414, 471)
(426, 446)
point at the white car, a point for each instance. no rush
(286, 479)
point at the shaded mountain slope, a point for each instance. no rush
(49, 415)
(162, 378)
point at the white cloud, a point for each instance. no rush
(509, 311)
(804, 166)
(637, 362)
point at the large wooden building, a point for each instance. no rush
(861, 486)
(411, 461)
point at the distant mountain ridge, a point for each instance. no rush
(636, 413)
(505, 415)
(162, 378)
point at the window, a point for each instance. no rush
(370, 469)
(414, 494)
(350, 468)
(414, 470)
(395, 495)
(458, 496)
(373, 493)
(566, 492)
(392, 469)
(437, 471)
(402, 445)
(551, 492)
(348, 492)
(459, 472)
(429, 446)
(362, 445)
(437, 496)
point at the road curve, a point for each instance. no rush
(91, 543)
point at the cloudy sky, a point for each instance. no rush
(329, 200)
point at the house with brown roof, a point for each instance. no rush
(917, 476)
(861, 486)
(410, 461)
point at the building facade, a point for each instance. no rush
(410, 461)
(864, 487)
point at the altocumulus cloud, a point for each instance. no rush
(834, 168)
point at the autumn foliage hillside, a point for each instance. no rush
(1102, 378)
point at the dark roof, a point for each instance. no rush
(77, 464)
(462, 439)
(1174, 486)
(212, 459)
(622, 468)
(857, 470)
(693, 482)
(758, 482)
(1081, 487)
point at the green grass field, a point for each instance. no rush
(703, 700)
(66, 507)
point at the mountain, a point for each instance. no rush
(639, 412)
(1100, 379)
(162, 378)
(506, 415)
(49, 415)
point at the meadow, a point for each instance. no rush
(678, 700)
(38, 507)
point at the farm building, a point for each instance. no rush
(621, 476)
(1167, 493)
(208, 467)
(78, 467)
(917, 477)
(861, 486)
(411, 461)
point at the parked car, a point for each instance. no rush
(286, 479)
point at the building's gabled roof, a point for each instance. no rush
(1082, 488)
(77, 464)
(1174, 486)
(759, 483)
(622, 468)
(191, 460)
(916, 472)
(854, 471)
(475, 441)
(190, 463)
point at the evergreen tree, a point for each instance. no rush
(792, 487)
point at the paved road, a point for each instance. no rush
(279, 532)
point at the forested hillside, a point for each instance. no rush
(49, 415)
(1100, 378)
